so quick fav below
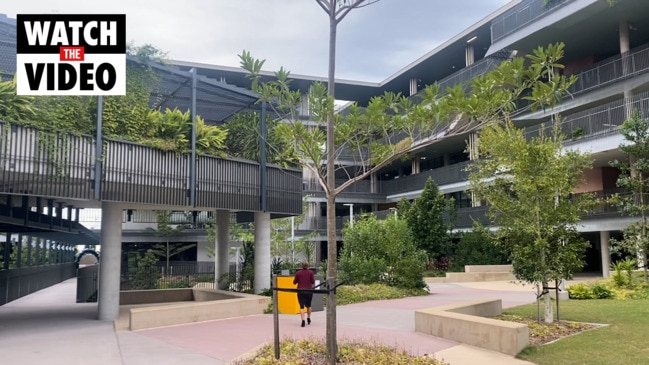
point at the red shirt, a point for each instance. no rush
(304, 279)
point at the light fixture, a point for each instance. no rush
(472, 39)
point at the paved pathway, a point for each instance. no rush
(49, 327)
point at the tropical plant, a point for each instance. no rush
(430, 218)
(168, 232)
(381, 251)
(634, 178)
(529, 183)
(146, 274)
(13, 107)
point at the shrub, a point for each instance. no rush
(381, 251)
(477, 248)
(349, 294)
(146, 274)
(314, 352)
(580, 291)
(600, 291)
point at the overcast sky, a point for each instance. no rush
(373, 42)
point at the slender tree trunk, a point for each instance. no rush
(332, 252)
(167, 257)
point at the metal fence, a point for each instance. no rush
(179, 274)
(521, 15)
(45, 163)
(87, 283)
(62, 165)
(17, 283)
(443, 175)
(598, 121)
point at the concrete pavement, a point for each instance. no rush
(48, 326)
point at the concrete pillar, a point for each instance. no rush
(625, 43)
(262, 251)
(447, 159)
(413, 86)
(374, 183)
(469, 55)
(222, 244)
(604, 237)
(109, 269)
(416, 167)
(625, 47)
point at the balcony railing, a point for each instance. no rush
(363, 186)
(443, 175)
(521, 15)
(465, 75)
(598, 121)
(613, 69)
(60, 165)
(618, 67)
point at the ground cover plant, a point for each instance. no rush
(313, 352)
(620, 342)
(350, 294)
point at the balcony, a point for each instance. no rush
(607, 72)
(521, 15)
(597, 122)
(465, 75)
(441, 176)
(616, 68)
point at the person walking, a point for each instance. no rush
(304, 279)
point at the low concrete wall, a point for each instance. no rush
(488, 268)
(128, 297)
(465, 323)
(198, 311)
(465, 277)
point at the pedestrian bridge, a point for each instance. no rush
(46, 178)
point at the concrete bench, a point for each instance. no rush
(205, 305)
(488, 268)
(467, 323)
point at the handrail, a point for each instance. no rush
(521, 15)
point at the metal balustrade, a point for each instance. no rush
(521, 15)
(362, 186)
(598, 121)
(45, 163)
(443, 175)
(59, 165)
(466, 74)
(612, 69)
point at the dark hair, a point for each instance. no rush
(305, 265)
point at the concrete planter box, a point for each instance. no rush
(466, 323)
(188, 306)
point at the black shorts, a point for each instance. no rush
(304, 299)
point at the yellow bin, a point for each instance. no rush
(287, 301)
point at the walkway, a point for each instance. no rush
(48, 326)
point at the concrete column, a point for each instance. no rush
(416, 167)
(625, 46)
(625, 43)
(222, 244)
(470, 55)
(109, 269)
(413, 86)
(447, 159)
(604, 237)
(262, 251)
(374, 184)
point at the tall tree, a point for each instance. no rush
(634, 178)
(529, 185)
(168, 231)
(430, 218)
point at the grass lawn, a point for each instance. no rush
(624, 341)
